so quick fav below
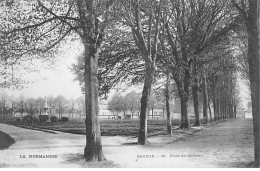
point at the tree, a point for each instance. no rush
(251, 16)
(117, 104)
(62, 105)
(45, 24)
(40, 104)
(50, 104)
(194, 28)
(144, 17)
(80, 103)
(21, 104)
(133, 100)
(240, 40)
(165, 69)
(205, 99)
(18, 47)
(3, 104)
(152, 103)
(31, 106)
(72, 106)
(119, 61)
(167, 105)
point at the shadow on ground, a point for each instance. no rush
(239, 165)
(5, 140)
(78, 159)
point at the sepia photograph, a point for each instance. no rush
(129, 83)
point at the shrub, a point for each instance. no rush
(54, 119)
(35, 119)
(43, 118)
(127, 116)
(18, 120)
(26, 118)
(64, 119)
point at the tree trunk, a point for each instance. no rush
(235, 111)
(149, 74)
(93, 149)
(205, 100)
(210, 114)
(219, 105)
(222, 107)
(253, 60)
(184, 114)
(184, 97)
(225, 107)
(215, 108)
(168, 114)
(195, 91)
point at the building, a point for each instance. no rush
(156, 114)
(104, 113)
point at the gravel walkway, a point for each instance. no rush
(226, 144)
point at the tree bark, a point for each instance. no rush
(92, 36)
(93, 150)
(168, 114)
(219, 105)
(235, 111)
(195, 91)
(253, 60)
(184, 114)
(215, 108)
(210, 114)
(184, 97)
(225, 107)
(205, 100)
(149, 74)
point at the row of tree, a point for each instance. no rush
(131, 102)
(186, 41)
(55, 105)
(141, 41)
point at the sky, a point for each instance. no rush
(55, 79)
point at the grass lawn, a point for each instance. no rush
(5, 140)
(123, 127)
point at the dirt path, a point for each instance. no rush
(226, 144)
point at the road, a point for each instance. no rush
(225, 144)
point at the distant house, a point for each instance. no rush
(104, 113)
(240, 114)
(19, 115)
(156, 114)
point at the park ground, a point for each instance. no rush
(225, 144)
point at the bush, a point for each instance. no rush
(35, 119)
(43, 118)
(64, 119)
(54, 119)
(26, 118)
(18, 120)
(127, 116)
